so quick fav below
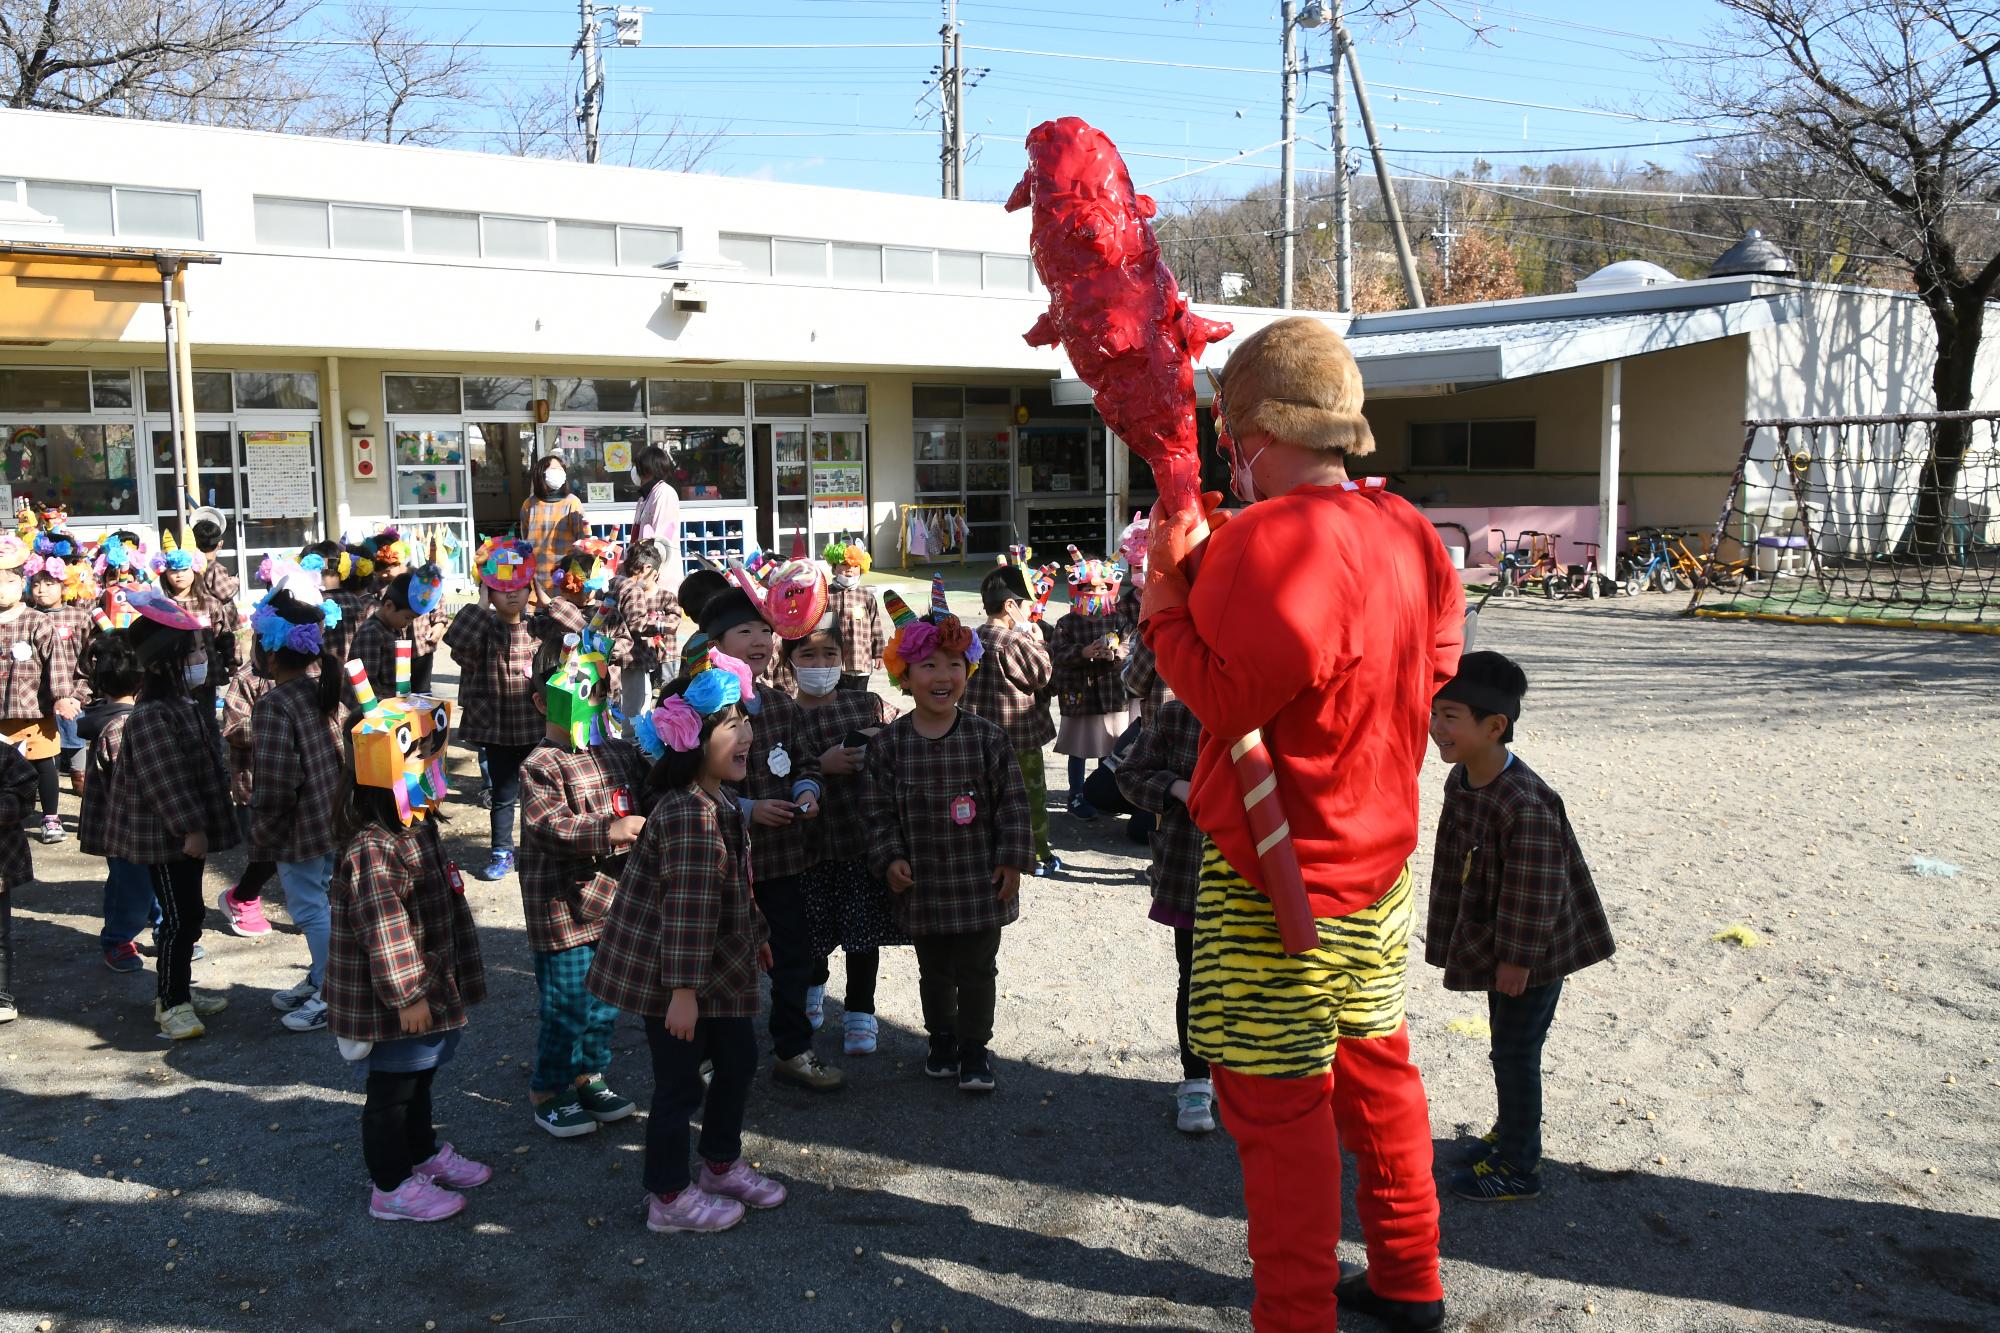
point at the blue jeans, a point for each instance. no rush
(73, 748)
(129, 905)
(304, 883)
(1520, 1026)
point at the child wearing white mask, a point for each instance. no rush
(846, 907)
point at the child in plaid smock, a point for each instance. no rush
(495, 652)
(1087, 648)
(180, 569)
(30, 693)
(1010, 690)
(1156, 776)
(242, 904)
(581, 814)
(1513, 909)
(864, 629)
(846, 907)
(682, 949)
(72, 627)
(643, 618)
(779, 796)
(129, 905)
(948, 829)
(404, 968)
(17, 869)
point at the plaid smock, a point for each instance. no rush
(913, 807)
(551, 527)
(219, 581)
(1010, 688)
(567, 868)
(776, 729)
(71, 628)
(106, 750)
(1165, 754)
(296, 773)
(839, 833)
(354, 608)
(427, 631)
(495, 694)
(27, 654)
(218, 630)
(374, 646)
(18, 788)
(1144, 682)
(864, 628)
(683, 916)
(402, 932)
(239, 703)
(558, 617)
(1086, 688)
(645, 622)
(170, 780)
(1509, 885)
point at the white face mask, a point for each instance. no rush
(196, 673)
(817, 680)
(555, 479)
(846, 580)
(1241, 479)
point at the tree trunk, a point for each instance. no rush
(1960, 319)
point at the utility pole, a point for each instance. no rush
(951, 153)
(1404, 258)
(593, 80)
(958, 107)
(1343, 198)
(1288, 238)
(1446, 234)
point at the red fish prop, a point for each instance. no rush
(1116, 310)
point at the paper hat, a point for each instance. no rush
(587, 567)
(115, 612)
(175, 556)
(118, 558)
(1082, 574)
(13, 551)
(918, 637)
(399, 743)
(849, 557)
(505, 564)
(715, 682)
(571, 694)
(796, 600)
(388, 549)
(426, 589)
(1132, 548)
(78, 586)
(275, 630)
(154, 605)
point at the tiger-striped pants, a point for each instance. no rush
(1308, 1053)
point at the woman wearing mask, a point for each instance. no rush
(658, 517)
(552, 519)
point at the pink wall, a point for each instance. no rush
(1573, 523)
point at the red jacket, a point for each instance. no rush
(1328, 618)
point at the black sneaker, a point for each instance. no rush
(1357, 1297)
(942, 1062)
(1481, 1148)
(1496, 1180)
(975, 1072)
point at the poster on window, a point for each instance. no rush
(837, 481)
(278, 466)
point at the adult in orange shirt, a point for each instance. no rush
(552, 520)
(1326, 615)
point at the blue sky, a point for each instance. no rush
(852, 109)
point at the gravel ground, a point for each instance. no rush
(1796, 1136)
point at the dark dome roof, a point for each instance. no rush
(1753, 255)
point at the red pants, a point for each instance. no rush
(1288, 1134)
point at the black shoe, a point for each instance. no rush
(1357, 1297)
(975, 1072)
(1048, 869)
(942, 1062)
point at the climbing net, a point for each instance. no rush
(1852, 520)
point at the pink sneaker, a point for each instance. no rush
(448, 1169)
(415, 1200)
(744, 1183)
(245, 919)
(693, 1209)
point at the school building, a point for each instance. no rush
(374, 333)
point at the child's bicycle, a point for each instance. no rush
(1647, 564)
(1529, 564)
(1586, 579)
(1702, 568)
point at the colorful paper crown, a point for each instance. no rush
(505, 564)
(571, 693)
(118, 558)
(399, 743)
(78, 586)
(274, 631)
(154, 605)
(918, 637)
(1082, 574)
(796, 599)
(13, 551)
(848, 557)
(175, 556)
(587, 567)
(357, 562)
(715, 682)
(426, 589)
(389, 550)
(1132, 547)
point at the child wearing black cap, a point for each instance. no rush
(1513, 909)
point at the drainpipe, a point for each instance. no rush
(335, 453)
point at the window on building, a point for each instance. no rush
(171, 215)
(426, 395)
(957, 268)
(44, 389)
(362, 227)
(299, 224)
(277, 390)
(498, 393)
(840, 400)
(1475, 446)
(752, 252)
(937, 400)
(573, 394)
(695, 398)
(798, 259)
(587, 453)
(1008, 273)
(591, 243)
(438, 233)
(82, 209)
(111, 389)
(857, 263)
(911, 268)
(705, 462)
(213, 392)
(647, 247)
(90, 469)
(515, 238)
(783, 400)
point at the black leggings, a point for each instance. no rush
(6, 945)
(51, 783)
(420, 672)
(1192, 1065)
(177, 886)
(255, 876)
(396, 1130)
(863, 966)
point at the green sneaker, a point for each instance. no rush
(601, 1104)
(564, 1117)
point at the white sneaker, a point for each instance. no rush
(287, 1000)
(308, 1017)
(1196, 1099)
(816, 1006)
